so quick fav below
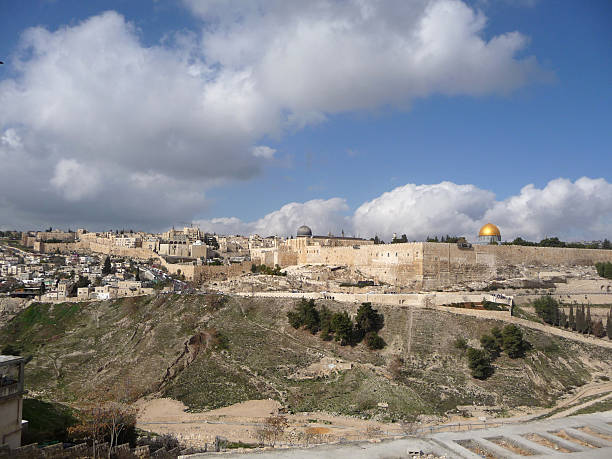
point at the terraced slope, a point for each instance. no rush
(210, 351)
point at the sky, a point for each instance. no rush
(428, 117)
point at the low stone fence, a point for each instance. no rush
(83, 450)
(399, 299)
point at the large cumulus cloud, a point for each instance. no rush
(420, 210)
(580, 210)
(322, 215)
(574, 210)
(98, 128)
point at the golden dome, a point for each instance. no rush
(489, 230)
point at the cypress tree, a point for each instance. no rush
(562, 319)
(572, 320)
(107, 268)
(609, 324)
(589, 323)
(580, 319)
(598, 329)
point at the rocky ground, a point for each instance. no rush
(10, 307)
(211, 351)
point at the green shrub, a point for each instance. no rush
(305, 315)
(339, 325)
(47, 422)
(547, 308)
(369, 319)
(490, 306)
(342, 326)
(479, 363)
(490, 345)
(513, 343)
(460, 343)
(604, 269)
(374, 341)
(497, 334)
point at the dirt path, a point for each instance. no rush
(530, 324)
(606, 390)
(410, 314)
(240, 422)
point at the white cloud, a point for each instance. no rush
(575, 210)
(74, 180)
(580, 210)
(186, 114)
(11, 139)
(262, 151)
(323, 57)
(422, 210)
(323, 216)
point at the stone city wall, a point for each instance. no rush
(139, 252)
(56, 247)
(445, 264)
(205, 273)
(91, 246)
(397, 264)
(435, 265)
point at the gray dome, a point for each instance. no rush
(304, 231)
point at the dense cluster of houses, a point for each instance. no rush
(52, 277)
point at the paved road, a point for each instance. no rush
(587, 436)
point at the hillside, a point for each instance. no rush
(210, 351)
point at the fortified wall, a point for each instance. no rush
(90, 246)
(205, 273)
(430, 265)
(447, 264)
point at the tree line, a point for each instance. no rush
(338, 325)
(552, 312)
(556, 242)
(604, 269)
(263, 269)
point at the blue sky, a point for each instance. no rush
(553, 124)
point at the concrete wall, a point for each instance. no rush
(10, 421)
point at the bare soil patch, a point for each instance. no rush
(240, 422)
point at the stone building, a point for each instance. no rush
(11, 400)
(303, 249)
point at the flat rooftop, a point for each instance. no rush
(10, 359)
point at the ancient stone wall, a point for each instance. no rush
(139, 252)
(397, 264)
(91, 246)
(447, 264)
(56, 247)
(207, 273)
(433, 265)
